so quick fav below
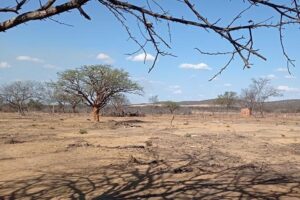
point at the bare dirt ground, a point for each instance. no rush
(201, 157)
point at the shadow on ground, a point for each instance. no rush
(158, 180)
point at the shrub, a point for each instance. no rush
(83, 131)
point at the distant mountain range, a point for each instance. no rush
(288, 102)
(290, 105)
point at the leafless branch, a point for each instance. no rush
(152, 15)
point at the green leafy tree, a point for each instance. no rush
(96, 85)
(227, 99)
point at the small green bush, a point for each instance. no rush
(83, 131)
(188, 135)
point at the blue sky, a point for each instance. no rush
(40, 49)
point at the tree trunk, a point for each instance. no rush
(74, 108)
(250, 111)
(62, 107)
(261, 109)
(21, 110)
(172, 119)
(96, 114)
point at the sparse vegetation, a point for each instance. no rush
(118, 102)
(172, 107)
(188, 135)
(154, 99)
(190, 151)
(135, 152)
(83, 131)
(149, 143)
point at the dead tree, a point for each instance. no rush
(19, 93)
(259, 91)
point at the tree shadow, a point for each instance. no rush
(188, 178)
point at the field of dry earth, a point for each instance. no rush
(67, 156)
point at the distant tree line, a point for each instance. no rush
(253, 97)
(99, 88)
(94, 86)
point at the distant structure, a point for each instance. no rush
(246, 112)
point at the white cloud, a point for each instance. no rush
(286, 88)
(105, 58)
(30, 59)
(4, 65)
(50, 66)
(175, 89)
(199, 66)
(290, 77)
(227, 84)
(179, 91)
(145, 80)
(281, 69)
(270, 76)
(141, 57)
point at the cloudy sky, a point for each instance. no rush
(38, 50)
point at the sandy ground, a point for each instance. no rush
(201, 157)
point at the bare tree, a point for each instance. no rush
(63, 98)
(149, 14)
(1, 102)
(119, 101)
(19, 93)
(258, 92)
(96, 85)
(248, 98)
(153, 99)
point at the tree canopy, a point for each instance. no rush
(171, 106)
(150, 15)
(258, 92)
(153, 99)
(19, 93)
(227, 99)
(96, 85)
(61, 97)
